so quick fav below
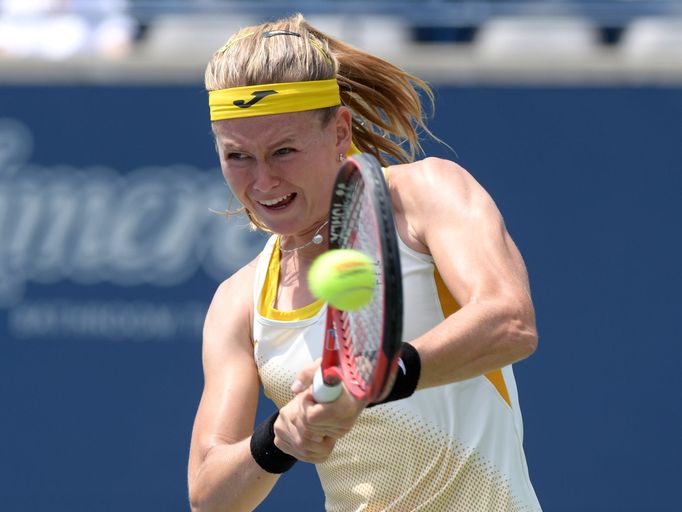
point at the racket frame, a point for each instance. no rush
(338, 362)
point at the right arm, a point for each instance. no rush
(222, 474)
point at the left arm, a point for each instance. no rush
(442, 210)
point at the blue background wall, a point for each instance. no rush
(103, 286)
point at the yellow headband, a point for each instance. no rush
(268, 99)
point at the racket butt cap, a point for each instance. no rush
(323, 393)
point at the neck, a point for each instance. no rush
(310, 242)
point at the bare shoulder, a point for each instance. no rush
(236, 287)
(228, 364)
(422, 179)
(229, 318)
(434, 189)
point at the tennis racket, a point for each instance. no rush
(361, 347)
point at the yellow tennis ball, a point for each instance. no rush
(344, 278)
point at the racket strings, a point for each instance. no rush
(363, 328)
(355, 204)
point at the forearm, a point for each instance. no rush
(229, 479)
(478, 338)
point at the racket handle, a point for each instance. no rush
(323, 393)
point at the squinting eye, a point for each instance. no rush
(284, 151)
(236, 156)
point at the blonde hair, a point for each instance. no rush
(385, 100)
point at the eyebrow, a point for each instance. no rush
(278, 143)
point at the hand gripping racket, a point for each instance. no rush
(361, 347)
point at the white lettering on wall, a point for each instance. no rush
(96, 225)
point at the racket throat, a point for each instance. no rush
(330, 357)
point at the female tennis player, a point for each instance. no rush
(288, 104)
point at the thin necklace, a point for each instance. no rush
(316, 239)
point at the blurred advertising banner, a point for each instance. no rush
(113, 240)
(111, 249)
(94, 251)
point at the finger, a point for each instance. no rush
(308, 451)
(318, 452)
(341, 413)
(296, 431)
(305, 377)
(313, 435)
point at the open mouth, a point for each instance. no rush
(278, 202)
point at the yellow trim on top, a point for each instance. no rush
(269, 292)
(268, 99)
(449, 306)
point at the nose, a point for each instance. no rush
(265, 177)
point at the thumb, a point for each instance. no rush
(305, 377)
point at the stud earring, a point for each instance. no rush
(340, 157)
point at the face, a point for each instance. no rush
(282, 167)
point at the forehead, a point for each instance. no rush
(271, 127)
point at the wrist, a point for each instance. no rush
(264, 451)
(407, 375)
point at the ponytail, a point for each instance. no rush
(386, 101)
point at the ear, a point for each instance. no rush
(344, 129)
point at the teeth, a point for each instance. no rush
(273, 202)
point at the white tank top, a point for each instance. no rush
(456, 447)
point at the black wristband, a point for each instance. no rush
(407, 376)
(264, 451)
